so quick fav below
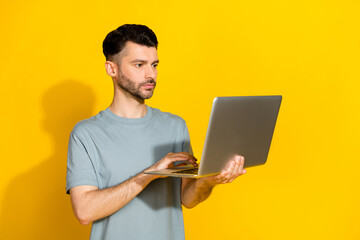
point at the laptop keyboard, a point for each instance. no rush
(188, 171)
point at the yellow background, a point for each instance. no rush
(52, 75)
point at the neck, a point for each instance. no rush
(127, 106)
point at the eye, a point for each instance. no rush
(155, 65)
(138, 65)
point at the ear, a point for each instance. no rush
(111, 68)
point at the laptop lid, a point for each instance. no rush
(239, 125)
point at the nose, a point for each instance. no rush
(150, 72)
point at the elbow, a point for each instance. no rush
(83, 217)
(81, 205)
(188, 205)
(189, 201)
(84, 221)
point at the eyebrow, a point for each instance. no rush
(142, 61)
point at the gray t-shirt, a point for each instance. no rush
(106, 150)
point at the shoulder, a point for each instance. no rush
(167, 117)
(86, 126)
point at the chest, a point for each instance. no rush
(123, 152)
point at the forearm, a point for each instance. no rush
(97, 204)
(195, 191)
(90, 203)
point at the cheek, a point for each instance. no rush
(133, 74)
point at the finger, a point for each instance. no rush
(242, 170)
(175, 157)
(227, 171)
(220, 177)
(184, 155)
(230, 170)
(235, 170)
(191, 157)
(181, 164)
(168, 161)
(239, 166)
(223, 176)
(188, 157)
(235, 173)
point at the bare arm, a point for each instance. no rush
(194, 191)
(90, 203)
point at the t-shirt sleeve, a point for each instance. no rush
(80, 168)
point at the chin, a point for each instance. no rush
(147, 96)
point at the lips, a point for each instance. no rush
(148, 86)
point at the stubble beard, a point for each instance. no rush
(131, 87)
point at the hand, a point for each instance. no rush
(234, 170)
(170, 158)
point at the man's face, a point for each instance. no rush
(138, 70)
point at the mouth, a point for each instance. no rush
(148, 86)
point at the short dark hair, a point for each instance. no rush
(115, 41)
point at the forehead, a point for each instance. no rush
(133, 51)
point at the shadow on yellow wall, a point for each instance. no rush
(35, 203)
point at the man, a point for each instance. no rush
(109, 153)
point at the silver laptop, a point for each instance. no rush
(237, 125)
